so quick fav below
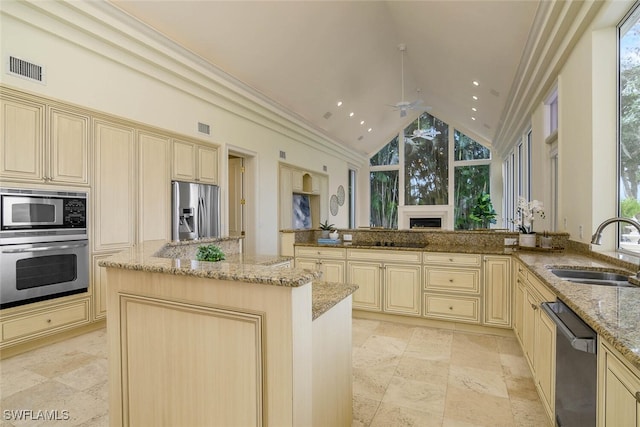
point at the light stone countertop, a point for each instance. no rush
(613, 312)
(486, 250)
(240, 267)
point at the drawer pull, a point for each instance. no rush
(450, 307)
(450, 280)
(450, 259)
(48, 320)
(535, 307)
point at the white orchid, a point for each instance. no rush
(527, 212)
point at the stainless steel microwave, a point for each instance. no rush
(35, 209)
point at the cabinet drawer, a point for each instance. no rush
(384, 255)
(42, 321)
(463, 260)
(462, 309)
(544, 293)
(452, 280)
(319, 252)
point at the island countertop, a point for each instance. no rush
(148, 257)
(613, 312)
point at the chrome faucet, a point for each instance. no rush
(596, 239)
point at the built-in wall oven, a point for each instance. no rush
(44, 246)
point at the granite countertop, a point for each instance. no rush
(327, 294)
(487, 250)
(613, 312)
(240, 267)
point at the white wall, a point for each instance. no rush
(97, 58)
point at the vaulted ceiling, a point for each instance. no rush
(308, 55)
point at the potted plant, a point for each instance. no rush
(483, 213)
(210, 253)
(527, 212)
(326, 228)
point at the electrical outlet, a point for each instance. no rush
(580, 231)
(510, 241)
(565, 222)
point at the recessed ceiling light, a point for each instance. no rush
(361, 122)
(473, 118)
(475, 97)
(339, 103)
(351, 114)
(474, 109)
(369, 130)
(475, 83)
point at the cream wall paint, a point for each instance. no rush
(87, 70)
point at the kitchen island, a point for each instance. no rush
(237, 342)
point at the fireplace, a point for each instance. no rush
(425, 222)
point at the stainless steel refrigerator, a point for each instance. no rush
(195, 211)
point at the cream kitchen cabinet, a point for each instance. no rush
(23, 144)
(497, 291)
(452, 285)
(618, 389)
(330, 261)
(99, 283)
(388, 280)
(195, 162)
(154, 200)
(114, 195)
(285, 198)
(537, 334)
(41, 144)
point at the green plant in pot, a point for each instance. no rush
(326, 228)
(210, 253)
(483, 213)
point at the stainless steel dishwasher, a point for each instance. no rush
(576, 367)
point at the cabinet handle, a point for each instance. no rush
(535, 307)
(48, 320)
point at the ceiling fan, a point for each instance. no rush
(428, 133)
(403, 105)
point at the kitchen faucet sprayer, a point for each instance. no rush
(596, 239)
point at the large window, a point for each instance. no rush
(426, 159)
(422, 167)
(629, 126)
(517, 178)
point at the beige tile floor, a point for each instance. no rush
(402, 376)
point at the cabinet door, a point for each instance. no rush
(367, 276)
(402, 289)
(22, 143)
(518, 309)
(307, 263)
(545, 360)
(184, 161)
(114, 195)
(154, 201)
(99, 283)
(497, 291)
(207, 165)
(286, 199)
(332, 271)
(619, 392)
(529, 309)
(296, 180)
(68, 147)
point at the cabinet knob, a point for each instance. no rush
(450, 307)
(535, 307)
(48, 320)
(450, 280)
(450, 259)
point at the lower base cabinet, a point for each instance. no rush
(618, 390)
(537, 334)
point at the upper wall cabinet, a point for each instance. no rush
(51, 147)
(195, 162)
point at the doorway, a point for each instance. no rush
(241, 197)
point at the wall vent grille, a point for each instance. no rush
(25, 69)
(204, 128)
(283, 155)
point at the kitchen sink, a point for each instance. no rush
(592, 277)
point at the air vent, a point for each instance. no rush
(283, 155)
(204, 128)
(324, 168)
(25, 69)
(360, 138)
